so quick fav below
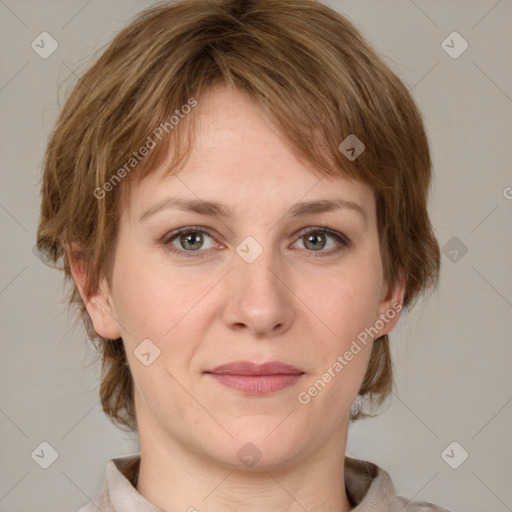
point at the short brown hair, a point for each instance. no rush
(317, 78)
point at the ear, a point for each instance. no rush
(99, 305)
(390, 306)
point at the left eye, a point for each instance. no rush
(313, 235)
(191, 240)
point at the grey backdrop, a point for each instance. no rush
(452, 353)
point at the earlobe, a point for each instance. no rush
(98, 304)
(103, 316)
(390, 306)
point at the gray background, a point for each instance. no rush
(452, 353)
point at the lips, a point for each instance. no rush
(256, 379)
(253, 369)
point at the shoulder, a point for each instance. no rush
(118, 487)
(370, 488)
(418, 506)
(91, 507)
(100, 503)
(96, 505)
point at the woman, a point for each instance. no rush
(238, 191)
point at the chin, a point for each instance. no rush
(249, 456)
(256, 444)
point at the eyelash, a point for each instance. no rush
(170, 237)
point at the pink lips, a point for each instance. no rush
(256, 379)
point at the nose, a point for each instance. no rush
(258, 296)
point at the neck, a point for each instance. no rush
(175, 478)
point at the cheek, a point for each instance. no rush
(348, 308)
(144, 295)
(349, 302)
(153, 303)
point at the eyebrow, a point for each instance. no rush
(216, 209)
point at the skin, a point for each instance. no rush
(290, 304)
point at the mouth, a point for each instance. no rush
(256, 379)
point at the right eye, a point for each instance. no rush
(191, 239)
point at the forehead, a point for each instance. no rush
(240, 159)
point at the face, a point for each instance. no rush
(269, 282)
